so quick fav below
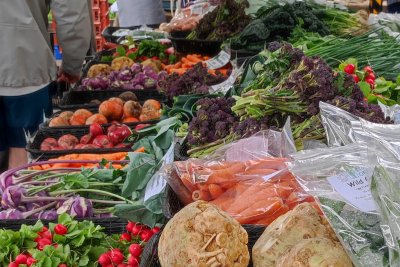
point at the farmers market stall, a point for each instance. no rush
(230, 136)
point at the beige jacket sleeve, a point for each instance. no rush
(74, 32)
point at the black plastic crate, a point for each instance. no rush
(185, 46)
(33, 147)
(112, 225)
(81, 99)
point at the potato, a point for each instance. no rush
(303, 222)
(316, 252)
(203, 235)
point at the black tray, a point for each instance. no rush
(108, 32)
(203, 47)
(80, 99)
(34, 147)
(111, 225)
(180, 151)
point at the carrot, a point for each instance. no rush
(140, 150)
(212, 72)
(275, 163)
(183, 193)
(259, 172)
(226, 199)
(224, 72)
(201, 195)
(268, 219)
(215, 190)
(180, 71)
(225, 175)
(206, 57)
(260, 209)
(193, 58)
(188, 184)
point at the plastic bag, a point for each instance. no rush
(254, 189)
(385, 189)
(186, 19)
(340, 180)
(390, 23)
(382, 140)
(393, 112)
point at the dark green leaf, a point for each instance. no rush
(138, 173)
(121, 50)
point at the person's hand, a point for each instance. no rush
(68, 78)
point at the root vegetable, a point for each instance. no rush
(117, 133)
(96, 118)
(102, 141)
(86, 139)
(66, 115)
(126, 96)
(132, 109)
(48, 144)
(68, 141)
(95, 130)
(58, 122)
(111, 110)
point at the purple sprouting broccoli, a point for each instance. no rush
(78, 207)
(150, 83)
(212, 113)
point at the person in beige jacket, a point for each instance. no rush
(28, 67)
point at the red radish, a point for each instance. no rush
(13, 264)
(89, 146)
(79, 146)
(146, 235)
(355, 77)
(170, 51)
(125, 237)
(350, 68)
(137, 229)
(86, 139)
(95, 130)
(102, 141)
(368, 69)
(156, 229)
(45, 233)
(117, 133)
(62, 265)
(371, 76)
(370, 81)
(104, 259)
(68, 141)
(48, 144)
(135, 250)
(43, 243)
(122, 146)
(116, 256)
(30, 261)
(60, 229)
(21, 259)
(132, 260)
(121, 265)
(129, 226)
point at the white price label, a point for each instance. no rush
(218, 61)
(227, 84)
(355, 187)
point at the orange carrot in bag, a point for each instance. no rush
(215, 191)
(268, 219)
(226, 175)
(260, 209)
(201, 195)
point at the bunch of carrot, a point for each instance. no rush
(76, 160)
(253, 192)
(188, 62)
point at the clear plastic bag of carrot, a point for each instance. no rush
(253, 192)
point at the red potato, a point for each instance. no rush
(102, 141)
(48, 144)
(68, 141)
(117, 133)
(86, 139)
(95, 130)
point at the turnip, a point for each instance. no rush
(48, 144)
(102, 141)
(68, 141)
(95, 130)
(117, 133)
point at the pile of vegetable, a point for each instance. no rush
(278, 20)
(96, 138)
(196, 80)
(123, 74)
(71, 243)
(225, 21)
(189, 61)
(112, 110)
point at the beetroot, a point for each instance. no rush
(121, 145)
(117, 133)
(86, 139)
(68, 141)
(48, 144)
(79, 146)
(90, 146)
(96, 130)
(102, 141)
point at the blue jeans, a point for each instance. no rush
(20, 114)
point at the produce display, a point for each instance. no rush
(113, 110)
(240, 133)
(213, 238)
(73, 243)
